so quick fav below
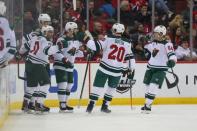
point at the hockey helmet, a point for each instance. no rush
(44, 17)
(70, 26)
(47, 28)
(160, 29)
(2, 8)
(118, 28)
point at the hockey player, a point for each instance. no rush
(7, 38)
(36, 73)
(64, 65)
(48, 32)
(161, 57)
(43, 20)
(116, 50)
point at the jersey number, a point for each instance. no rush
(36, 48)
(117, 53)
(1, 40)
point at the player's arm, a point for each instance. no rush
(130, 63)
(10, 45)
(172, 59)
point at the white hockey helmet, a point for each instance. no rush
(47, 28)
(160, 29)
(118, 28)
(2, 8)
(44, 17)
(70, 26)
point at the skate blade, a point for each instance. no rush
(65, 111)
(145, 112)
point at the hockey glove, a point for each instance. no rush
(131, 74)
(67, 63)
(171, 63)
(18, 56)
(72, 51)
(90, 54)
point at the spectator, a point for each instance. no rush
(108, 8)
(176, 37)
(176, 22)
(126, 16)
(161, 7)
(143, 16)
(28, 22)
(183, 52)
(97, 32)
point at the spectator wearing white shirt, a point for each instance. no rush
(183, 51)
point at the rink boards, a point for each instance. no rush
(12, 88)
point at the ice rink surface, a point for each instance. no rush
(122, 118)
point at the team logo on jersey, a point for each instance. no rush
(154, 53)
(125, 84)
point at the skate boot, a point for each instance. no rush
(45, 109)
(146, 109)
(66, 109)
(25, 106)
(104, 108)
(90, 107)
(38, 108)
(31, 108)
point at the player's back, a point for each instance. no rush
(114, 51)
(4, 35)
(37, 49)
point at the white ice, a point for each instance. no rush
(122, 118)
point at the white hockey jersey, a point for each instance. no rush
(115, 51)
(160, 54)
(65, 44)
(26, 42)
(40, 49)
(7, 41)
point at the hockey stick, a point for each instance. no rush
(83, 85)
(131, 96)
(132, 82)
(173, 74)
(18, 71)
(177, 86)
(18, 65)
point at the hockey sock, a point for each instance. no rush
(68, 90)
(35, 95)
(109, 95)
(28, 93)
(42, 93)
(94, 95)
(62, 91)
(151, 93)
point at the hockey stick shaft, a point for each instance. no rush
(131, 98)
(18, 70)
(83, 85)
(177, 84)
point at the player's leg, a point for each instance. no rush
(155, 83)
(32, 84)
(112, 84)
(146, 81)
(98, 85)
(44, 82)
(61, 79)
(68, 90)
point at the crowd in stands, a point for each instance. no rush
(134, 14)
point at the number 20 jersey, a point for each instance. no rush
(115, 51)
